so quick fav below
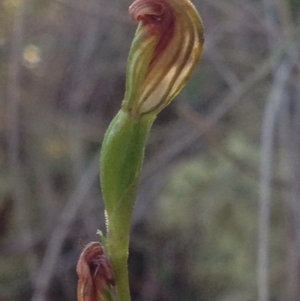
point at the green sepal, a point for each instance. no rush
(121, 159)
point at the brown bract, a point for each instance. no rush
(95, 273)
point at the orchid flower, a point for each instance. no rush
(165, 51)
(166, 48)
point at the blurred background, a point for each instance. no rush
(218, 212)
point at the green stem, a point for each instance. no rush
(121, 160)
(121, 274)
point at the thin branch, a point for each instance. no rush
(274, 102)
(289, 140)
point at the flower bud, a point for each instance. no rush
(165, 51)
(95, 274)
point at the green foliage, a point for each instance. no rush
(212, 207)
(295, 4)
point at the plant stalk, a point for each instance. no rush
(121, 159)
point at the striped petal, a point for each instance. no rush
(165, 51)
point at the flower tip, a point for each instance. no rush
(165, 51)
